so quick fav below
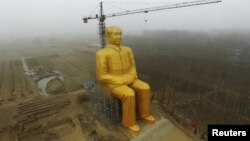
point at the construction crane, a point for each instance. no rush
(103, 17)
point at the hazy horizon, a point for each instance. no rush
(41, 18)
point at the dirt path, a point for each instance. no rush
(25, 66)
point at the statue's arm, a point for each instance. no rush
(132, 70)
(102, 73)
(132, 75)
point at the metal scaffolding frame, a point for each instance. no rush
(108, 106)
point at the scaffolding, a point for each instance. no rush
(108, 105)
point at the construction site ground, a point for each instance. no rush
(65, 124)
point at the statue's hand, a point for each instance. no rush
(128, 79)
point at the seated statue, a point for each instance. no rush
(115, 68)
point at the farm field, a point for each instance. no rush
(23, 108)
(73, 61)
(14, 84)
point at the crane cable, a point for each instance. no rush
(117, 7)
(126, 10)
(138, 3)
(94, 10)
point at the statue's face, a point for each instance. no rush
(115, 37)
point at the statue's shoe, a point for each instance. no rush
(149, 119)
(134, 129)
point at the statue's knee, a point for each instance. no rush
(145, 86)
(129, 92)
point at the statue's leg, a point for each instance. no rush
(127, 96)
(142, 91)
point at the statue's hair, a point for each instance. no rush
(110, 29)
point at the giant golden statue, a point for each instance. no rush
(115, 68)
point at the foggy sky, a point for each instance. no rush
(28, 18)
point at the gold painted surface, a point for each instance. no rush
(116, 69)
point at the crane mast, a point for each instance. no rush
(102, 27)
(103, 17)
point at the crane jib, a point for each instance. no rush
(146, 10)
(102, 17)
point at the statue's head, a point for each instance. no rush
(114, 35)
